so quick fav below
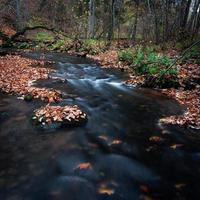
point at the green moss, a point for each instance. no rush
(43, 37)
(92, 46)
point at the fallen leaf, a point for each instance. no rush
(144, 188)
(105, 190)
(103, 137)
(145, 197)
(116, 142)
(175, 146)
(156, 139)
(180, 185)
(82, 166)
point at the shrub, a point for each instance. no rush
(24, 45)
(126, 55)
(145, 61)
(9, 43)
(57, 45)
(92, 46)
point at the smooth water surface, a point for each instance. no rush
(42, 164)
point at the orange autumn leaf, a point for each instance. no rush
(103, 137)
(116, 142)
(144, 188)
(17, 76)
(51, 114)
(104, 190)
(155, 139)
(175, 146)
(82, 166)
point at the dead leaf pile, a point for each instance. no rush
(49, 95)
(66, 114)
(135, 80)
(7, 30)
(188, 73)
(106, 59)
(190, 98)
(188, 70)
(109, 59)
(16, 74)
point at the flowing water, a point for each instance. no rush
(121, 163)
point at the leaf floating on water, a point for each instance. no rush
(104, 190)
(144, 188)
(116, 142)
(103, 137)
(107, 188)
(82, 166)
(175, 146)
(156, 139)
(180, 185)
(145, 197)
(151, 148)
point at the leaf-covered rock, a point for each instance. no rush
(67, 115)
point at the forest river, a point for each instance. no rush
(111, 157)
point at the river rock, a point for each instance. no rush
(64, 116)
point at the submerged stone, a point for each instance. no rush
(28, 97)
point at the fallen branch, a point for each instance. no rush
(23, 31)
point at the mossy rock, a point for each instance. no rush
(28, 97)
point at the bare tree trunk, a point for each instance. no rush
(194, 13)
(186, 12)
(91, 19)
(112, 21)
(166, 19)
(197, 22)
(134, 27)
(156, 23)
(149, 6)
(18, 13)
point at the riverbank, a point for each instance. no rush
(187, 94)
(17, 77)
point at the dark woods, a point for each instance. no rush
(138, 20)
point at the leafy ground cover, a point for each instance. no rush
(17, 75)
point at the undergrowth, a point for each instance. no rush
(146, 61)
